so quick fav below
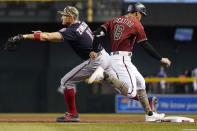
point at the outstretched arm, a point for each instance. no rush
(152, 52)
(13, 42)
(44, 36)
(39, 36)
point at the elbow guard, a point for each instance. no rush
(100, 32)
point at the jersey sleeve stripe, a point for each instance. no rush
(104, 27)
(142, 40)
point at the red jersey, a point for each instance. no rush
(124, 32)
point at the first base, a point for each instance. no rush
(177, 119)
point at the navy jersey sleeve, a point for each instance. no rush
(68, 34)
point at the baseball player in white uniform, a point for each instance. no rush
(124, 32)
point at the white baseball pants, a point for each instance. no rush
(85, 70)
(127, 72)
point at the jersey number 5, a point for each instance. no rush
(118, 31)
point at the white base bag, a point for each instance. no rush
(177, 119)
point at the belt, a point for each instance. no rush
(124, 53)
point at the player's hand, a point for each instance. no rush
(166, 61)
(12, 43)
(93, 55)
(16, 38)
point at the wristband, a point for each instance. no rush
(37, 35)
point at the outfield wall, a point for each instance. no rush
(166, 103)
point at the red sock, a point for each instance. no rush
(69, 96)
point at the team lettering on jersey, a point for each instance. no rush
(123, 21)
(84, 27)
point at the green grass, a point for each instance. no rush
(97, 127)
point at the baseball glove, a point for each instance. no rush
(13, 42)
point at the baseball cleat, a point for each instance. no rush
(155, 117)
(68, 117)
(96, 76)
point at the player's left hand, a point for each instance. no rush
(93, 55)
(166, 61)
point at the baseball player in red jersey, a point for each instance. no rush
(79, 36)
(123, 33)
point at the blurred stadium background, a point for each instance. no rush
(29, 78)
